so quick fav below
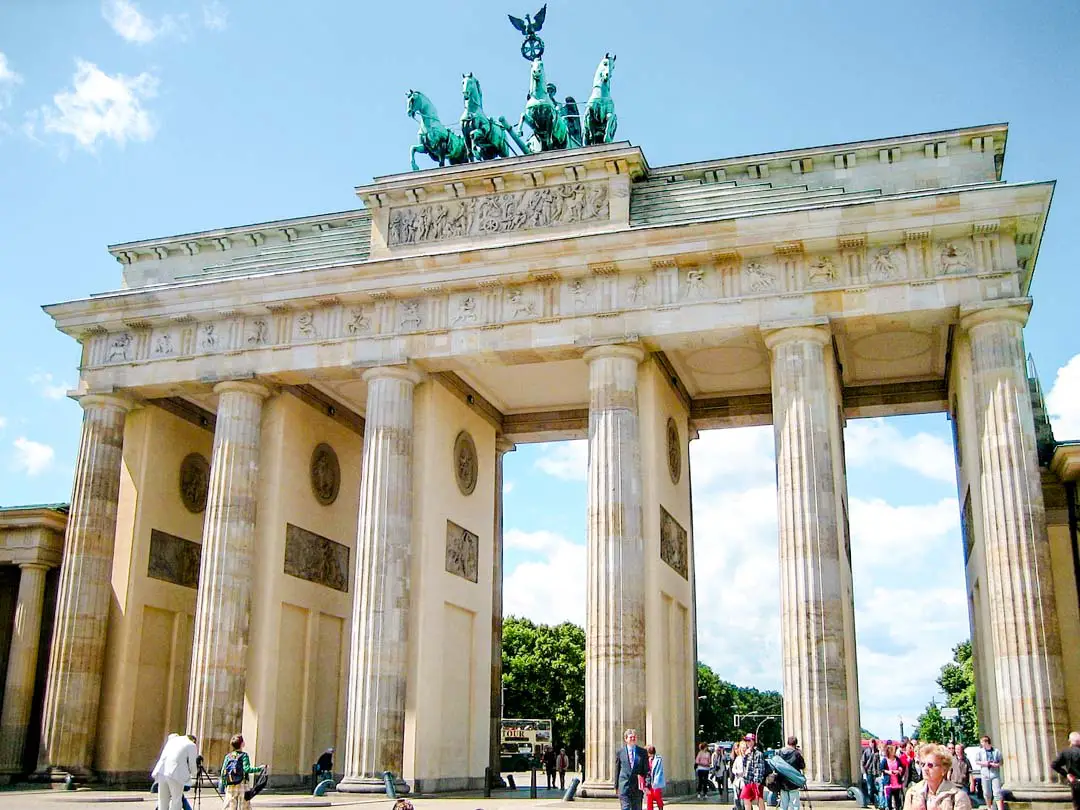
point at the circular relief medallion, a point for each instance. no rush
(466, 465)
(194, 482)
(674, 451)
(325, 474)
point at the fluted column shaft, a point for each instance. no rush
(615, 600)
(22, 665)
(814, 655)
(502, 447)
(223, 609)
(73, 694)
(1032, 717)
(375, 725)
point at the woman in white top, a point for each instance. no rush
(738, 771)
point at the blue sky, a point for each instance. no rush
(121, 121)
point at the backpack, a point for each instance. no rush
(233, 772)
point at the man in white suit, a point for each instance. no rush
(175, 768)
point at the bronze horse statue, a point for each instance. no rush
(485, 138)
(434, 139)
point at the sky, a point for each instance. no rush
(124, 120)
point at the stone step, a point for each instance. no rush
(712, 204)
(706, 194)
(677, 189)
(705, 213)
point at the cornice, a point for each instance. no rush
(198, 241)
(1008, 206)
(34, 517)
(493, 176)
(999, 132)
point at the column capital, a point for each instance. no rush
(807, 332)
(121, 401)
(1010, 309)
(35, 565)
(243, 387)
(628, 350)
(402, 373)
(504, 445)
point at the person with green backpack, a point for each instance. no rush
(234, 773)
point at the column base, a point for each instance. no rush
(369, 784)
(597, 790)
(826, 793)
(1037, 793)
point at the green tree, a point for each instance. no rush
(543, 676)
(932, 726)
(719, 701)
(957, 681)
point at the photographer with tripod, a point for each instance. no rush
(176, 767)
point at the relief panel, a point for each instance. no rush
(174, 559)
(316, 558)
(462, 552)
(673, 543)
(545, 207)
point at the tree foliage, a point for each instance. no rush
(719, 701)
(932, 726)
(957, 681)
(543, 676)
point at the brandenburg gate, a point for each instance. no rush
(286, 517)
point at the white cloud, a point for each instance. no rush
(32, 457)
(215, 16)
(550, 589)
(508, 487)
(101, 106)
(48, 388)
(566, 460)
(3, 422)
(8, 79)
(1063, 401)
(876, 443)
(124, 17)
(904, 539)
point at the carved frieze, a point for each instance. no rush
(544, 207)
(194, 482)
(174, 559)
(316, 558)
(673, 544)
(462, 552)
(760, 277)
(954, 256)
(325, 474)
(546, 295)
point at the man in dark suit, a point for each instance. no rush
(631, 769)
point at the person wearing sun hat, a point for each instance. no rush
(754, 775)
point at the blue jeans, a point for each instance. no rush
(789, 800)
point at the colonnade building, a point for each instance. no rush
(286, 516)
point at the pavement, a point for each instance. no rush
(37, 798)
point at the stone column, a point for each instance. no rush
(615, 600)
(502, 447)
(215, 709)
(806, 414)
(375, 724)
(1032, 716)
(22, 665)
(69, 721)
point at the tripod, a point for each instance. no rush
(196, 789)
